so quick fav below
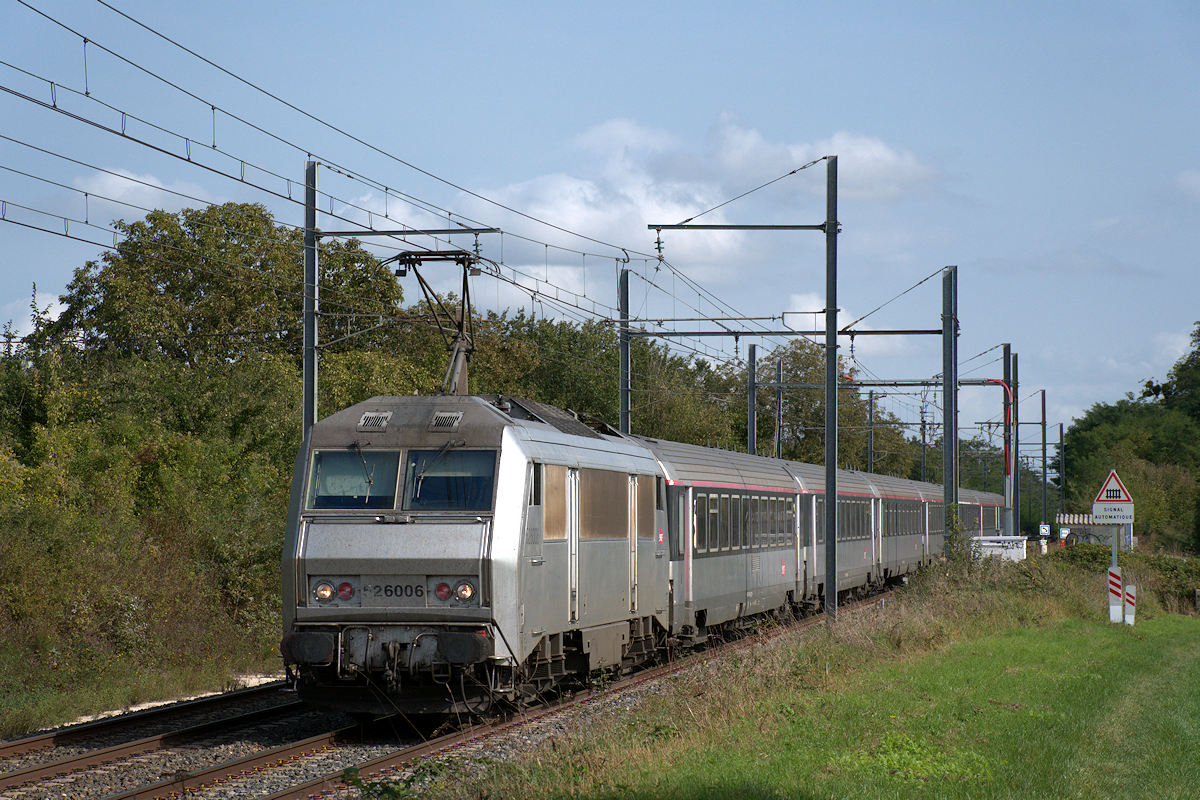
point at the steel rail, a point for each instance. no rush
(162, 741)
(185, 782)
(115, 724)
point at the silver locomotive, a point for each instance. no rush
(447, 553)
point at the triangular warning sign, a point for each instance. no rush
(1113, 491)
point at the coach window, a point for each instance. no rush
(534, 517)
(645, 506)
(737, 529)
(554, 502)
(355, 479)
(713, 542)
(764, 521)
(603, 504)
(747, 509)
(781, 521)
(767, 528)
(755, 511)
(721, 540)
(820, 504)
(700, 524)
(804, 509)
(781, 527)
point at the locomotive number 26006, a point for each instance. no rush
(394, 592)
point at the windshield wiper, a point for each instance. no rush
(433, 462)
(369, 474)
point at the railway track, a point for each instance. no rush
(146, 720)
(276, 750)
(93, 759)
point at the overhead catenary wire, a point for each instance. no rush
(892, 300)
(240, 178)
(302, 112)
(214, 108)
(814, 162)
(189, 140)
(717, 301)
(420, 320)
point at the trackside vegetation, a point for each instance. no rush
(148, 433)
(974, 681)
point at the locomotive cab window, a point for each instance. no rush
(449, 480)
(353, 479)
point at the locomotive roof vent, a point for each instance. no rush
(445, 420)
(374, 421)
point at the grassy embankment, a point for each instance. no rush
(975, 681)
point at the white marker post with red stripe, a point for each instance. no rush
(1114, 505)
(1130, 602)
(1114, 594)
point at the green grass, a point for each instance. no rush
(973, 683)
(1072, 710)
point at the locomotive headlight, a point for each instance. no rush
(323, 591)
(464, 591)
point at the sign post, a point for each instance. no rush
(1114, 595)
(1114, 506)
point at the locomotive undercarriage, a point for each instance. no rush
(379, 669)
(372, 670)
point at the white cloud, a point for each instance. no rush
(1189, 182)
(647, 175)
(801, 315)
(19, 313)
(868, 167)
(140, 191)
(626, 136)
(1171, 346)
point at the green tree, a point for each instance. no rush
(1181, 390)
(221, 282)
(1155, 449)
(804, 416)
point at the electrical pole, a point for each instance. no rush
(922, 444)
(950, 389)
(831, 387)
(1062, 469)
(779, 408)
(1045, 509)
(830, 228)
(1009, 472)
(311, 297)
(751, 400)
(623, 340)
(1016, 425)
(871, 431)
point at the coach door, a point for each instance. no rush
(573, 542)
(877, 524)
(631, 535)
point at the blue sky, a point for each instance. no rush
(1051, 151)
